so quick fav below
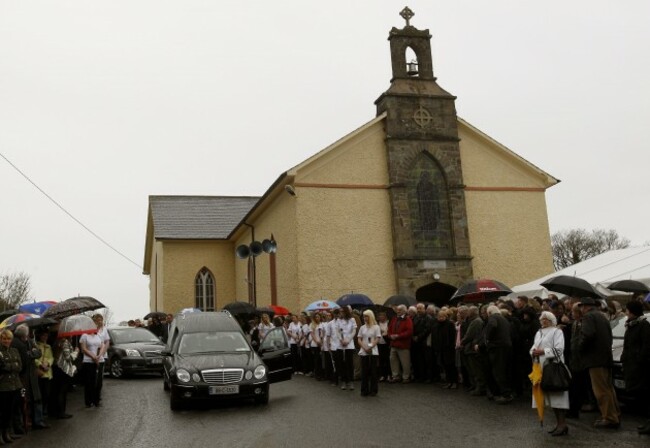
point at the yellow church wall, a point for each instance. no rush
(344, 235)
(279, 219)
(506, 212)
(182, 262)
(509, 235)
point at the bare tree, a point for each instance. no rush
(576, 245)
(14, 290)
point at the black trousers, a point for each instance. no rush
(328, 363)
(318, 362)
(369, 375)
(500, 366)
(59, 392)
(338, 365)
(295, 357)
(7, 403)
(384, 360)
(90, 373)
(348, 365)
(307, 364)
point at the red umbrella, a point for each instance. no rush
(280, 310)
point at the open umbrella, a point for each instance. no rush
(75, 305)
(355, 300)
(479, 291)
(280, 310)
(236, 308)
(538, 394)
(158, 314)
(400, 300)
(571, 286)
(76, 325)
(632, 286)
(36, 307)
(6, 313)
(322, 305)
(31, 320)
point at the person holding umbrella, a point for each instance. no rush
(549, 342)
(10, 384)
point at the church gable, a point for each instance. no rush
(487, 164)
(358, 159)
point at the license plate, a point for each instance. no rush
(619, 384)
(156, 361)
(223, 390)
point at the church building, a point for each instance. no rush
(416, 201)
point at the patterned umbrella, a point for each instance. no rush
(36, 307)
(322, 305)
(31, 320)
(479, 291)
(75, 305)
(76, 325)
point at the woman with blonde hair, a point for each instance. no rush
(549, 343)
(369, 335)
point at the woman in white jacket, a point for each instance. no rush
(549, 340)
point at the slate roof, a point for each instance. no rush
(198, 217)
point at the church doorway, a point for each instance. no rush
(437, 293)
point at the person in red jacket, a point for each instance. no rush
(400, 334)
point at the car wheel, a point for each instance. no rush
(262, 399)
(116, 368)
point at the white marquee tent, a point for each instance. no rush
(632, 263)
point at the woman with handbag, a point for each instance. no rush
(548, 347)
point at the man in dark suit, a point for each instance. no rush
(595, 350)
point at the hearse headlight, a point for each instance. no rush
(260, 371)
(132, 352)
(183, 375)
(196, 378)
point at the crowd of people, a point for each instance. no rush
(486, 350)
(37, 370)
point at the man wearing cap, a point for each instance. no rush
(596, 353)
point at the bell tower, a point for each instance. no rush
(429, 218)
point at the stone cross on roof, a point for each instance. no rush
(407, 14)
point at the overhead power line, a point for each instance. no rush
(106, 243)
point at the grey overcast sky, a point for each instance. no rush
(105, 103)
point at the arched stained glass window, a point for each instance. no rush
(204, 290)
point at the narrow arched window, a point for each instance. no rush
(204, 290)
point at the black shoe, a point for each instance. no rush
(552, 430)
(64, 416)
(560, 432)
(644, 429)
(40, 426)
(503, 400)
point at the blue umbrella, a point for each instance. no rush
(35, 307)
(354, 300)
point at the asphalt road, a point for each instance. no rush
(306, 413)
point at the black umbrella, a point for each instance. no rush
(265, 310)
(355, 301)
(571, 286)
(158, 314)
(7, 313)
(479, 291)
(239, 308)
(400, 300)
(633, 286)
(75, 305)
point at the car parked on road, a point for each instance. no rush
(210, 358)
(134, 350)
(618, 335)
